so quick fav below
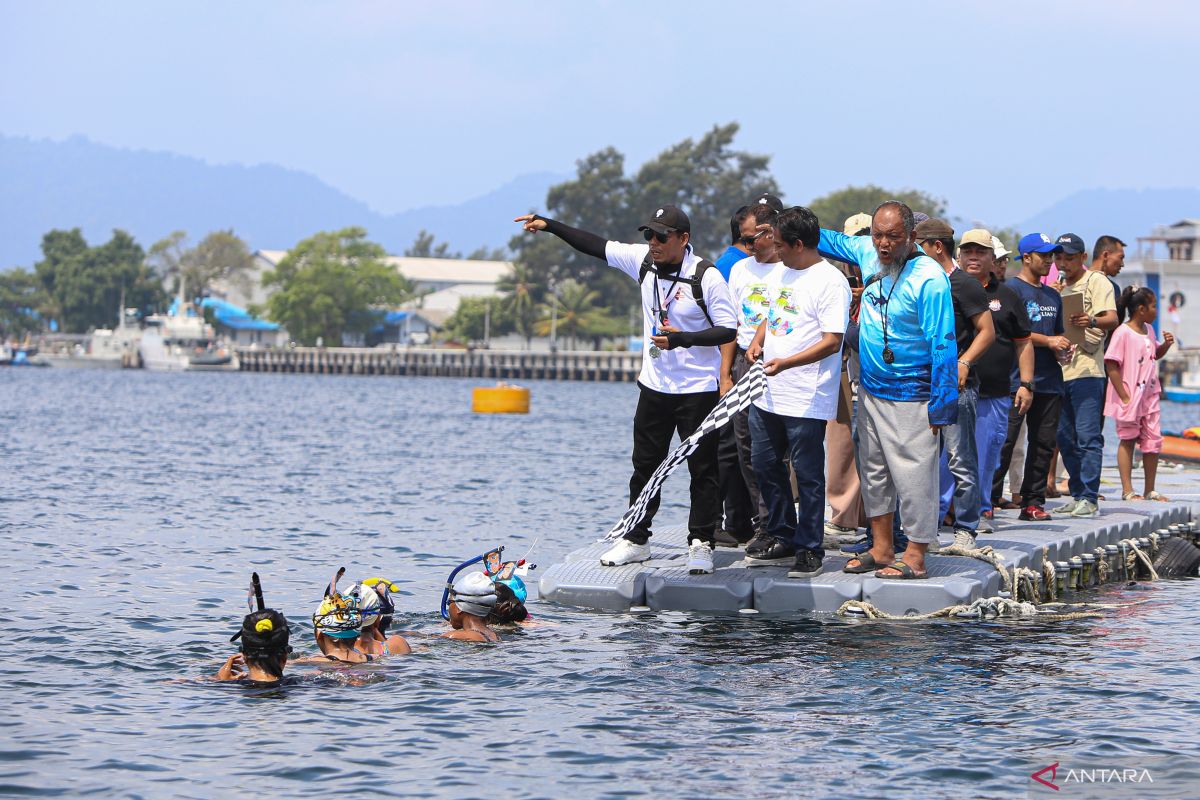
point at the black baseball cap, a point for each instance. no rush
(768, 199)
(1071, 244)
(666, 219)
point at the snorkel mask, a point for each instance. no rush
(265, 631)
(496, 569)
(339, 616)
(383, 589)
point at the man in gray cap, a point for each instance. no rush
(688, 316)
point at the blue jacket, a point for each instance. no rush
(920, 329)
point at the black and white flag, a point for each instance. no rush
(744, 392)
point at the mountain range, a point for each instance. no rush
(79, 183)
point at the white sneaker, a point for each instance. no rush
(699, 558)
(1086, 508)
(625, 552)
(964, 539)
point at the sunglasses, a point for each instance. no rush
(750, 240)
(661, 238)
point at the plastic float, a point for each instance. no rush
(503, 398)
(1034, 563)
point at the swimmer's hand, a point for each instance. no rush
(531, 223)
(233, 670)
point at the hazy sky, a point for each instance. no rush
(1001, 107)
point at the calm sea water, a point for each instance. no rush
(134, 506)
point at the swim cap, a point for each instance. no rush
(383, 587)
(338, 616)
(517, 585)
(474, 593)
(369, 605)
(264, 634)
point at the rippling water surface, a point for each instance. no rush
(134, 506)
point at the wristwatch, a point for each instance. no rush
(1091, 321)
(1027, 385)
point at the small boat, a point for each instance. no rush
(1182, 447)
(1182, 394)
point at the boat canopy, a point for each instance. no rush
(236, 317)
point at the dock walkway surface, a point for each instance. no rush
(663, 582)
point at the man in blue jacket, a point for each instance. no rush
(909, 379)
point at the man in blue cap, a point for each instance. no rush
(1081, 426)
(1044, 308)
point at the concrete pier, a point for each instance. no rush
(575, 365)
(663, 584)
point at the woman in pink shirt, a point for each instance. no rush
(1134, 393)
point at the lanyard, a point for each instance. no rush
(660, 310)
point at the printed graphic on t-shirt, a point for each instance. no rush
(756, 306)
(1034, 310)
(782, 319)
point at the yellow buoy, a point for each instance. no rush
(500, 399)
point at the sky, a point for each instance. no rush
(1001, 108)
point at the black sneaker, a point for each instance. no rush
(776, 551)
(807, 564)
(725, 538)
(761, 541)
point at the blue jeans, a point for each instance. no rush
(774, 439)
(1081, 435)
(991, 429)
(960, 465)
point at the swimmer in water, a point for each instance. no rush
(472, 599)
(374, 601)
(338, 623)
(264, 648)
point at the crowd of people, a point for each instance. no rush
(907, 373)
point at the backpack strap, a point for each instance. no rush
(695, 281)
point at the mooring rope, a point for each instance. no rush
(1049, 578)
(986, 554)
(983, 608)
(1134, 554)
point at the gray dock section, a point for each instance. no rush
(663, 582)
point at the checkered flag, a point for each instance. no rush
(744, 392)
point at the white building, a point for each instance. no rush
(442, 282)
(1168, 261)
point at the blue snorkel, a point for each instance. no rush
(454, 574)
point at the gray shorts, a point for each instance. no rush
(898, 459)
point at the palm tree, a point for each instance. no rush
(577, 312)
(520, 289)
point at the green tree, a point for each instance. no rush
(85, 284)
(424, 247)
(22, 298)
(707, 178)
(221, 257)
(577, 314)
(477, 318)
(330, 284)
(834, 208)
(522, 294)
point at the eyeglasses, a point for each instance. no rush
(660, 237)
(750, 240)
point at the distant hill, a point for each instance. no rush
(1124, 213)
(79, 183)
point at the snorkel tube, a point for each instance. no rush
(454, 574)
(256, 587)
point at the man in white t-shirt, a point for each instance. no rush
(800, 343)
(687, 316)
(749, 281)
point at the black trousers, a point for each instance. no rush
(745, 511)
(1042, 419)
(658, 417)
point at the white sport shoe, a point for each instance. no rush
(625, 552)
(699, 558)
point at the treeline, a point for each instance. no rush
(337, 282)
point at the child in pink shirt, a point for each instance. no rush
(1131, 361)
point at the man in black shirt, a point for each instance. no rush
(1009, 357)
(975, 334)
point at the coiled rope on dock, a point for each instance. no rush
(983, 608)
